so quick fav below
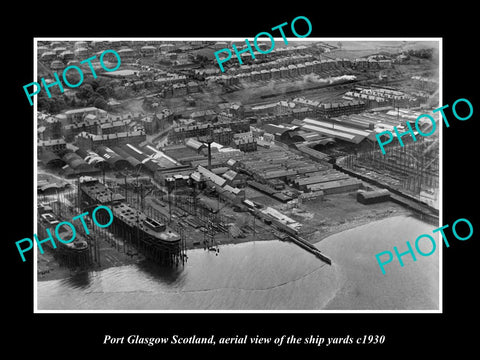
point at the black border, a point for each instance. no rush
(82, 334)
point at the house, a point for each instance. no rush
(203, 115)
(56, 146)
(78, 114)
(193, 87)
(179, 89)
(126, 54)
(113, 127)
(246, 144)
(90, 126)
(85, 140)
(148, 51)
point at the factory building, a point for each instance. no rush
(148, 51)
(76, 166)
(56, 146)
(77, 115)
(372, 197)
(114, 160)
(51, 160)
(340, 132)
(92, 158)
(90, 141)
(180, 133)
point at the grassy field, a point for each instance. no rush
(354, 49)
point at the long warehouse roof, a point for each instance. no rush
(330, 125)
(335, 133)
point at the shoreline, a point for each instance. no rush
(356, 223)
(48, 267)
(264, 277)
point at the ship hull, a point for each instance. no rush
(66, 254)
(152, 239)
(161, 252)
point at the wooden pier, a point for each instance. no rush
(309, 247)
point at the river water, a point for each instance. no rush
(268, 275)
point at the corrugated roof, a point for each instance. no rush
(196, 176)
(131, 160)
(218, 180)
(374, 194)
(159, 157)
(110, 156)
(232, 190)
(194, 144)
(330, 125)
(277, 129)
(51, 159)
(313, 152)
(230, 175)
(335, 133)
(74, 160)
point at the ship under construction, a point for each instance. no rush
(154, 239)
(72, 254)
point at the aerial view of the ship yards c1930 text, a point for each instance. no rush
(225, 174)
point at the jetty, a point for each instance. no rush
(309, 247)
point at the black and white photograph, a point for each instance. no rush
(212, 180)
(259, 184)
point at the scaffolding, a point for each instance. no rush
(209, 236)
(413, 168)
(63, 205)
(131, 238)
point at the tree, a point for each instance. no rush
(52, 105)
(340, 45)
(59, 104)
(43, 104)
(85, 92)
(104, 91)
(100, 103)
(93, 83)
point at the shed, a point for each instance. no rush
(75, 161)
(372, 197)
(91, 158)
(135, 163)
(50, 159)
(113, 159)
(195, 144)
